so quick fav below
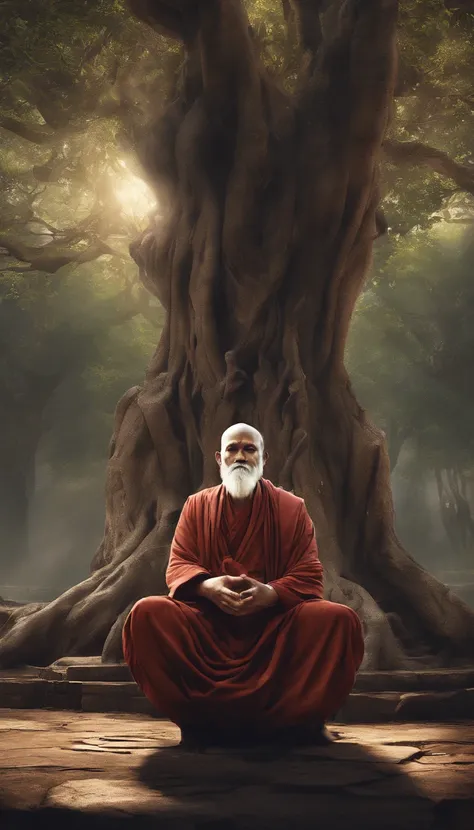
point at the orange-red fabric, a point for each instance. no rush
(290, 664)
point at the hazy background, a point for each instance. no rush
(78, 86)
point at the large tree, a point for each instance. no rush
(411, 343)
(268, 216)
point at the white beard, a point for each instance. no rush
(240, 482)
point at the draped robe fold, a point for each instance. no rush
(288, 665)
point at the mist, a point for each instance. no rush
(67, 522)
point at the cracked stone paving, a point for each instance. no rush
(80, 769)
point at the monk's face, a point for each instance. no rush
(241, 462)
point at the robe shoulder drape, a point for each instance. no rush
(279, 545)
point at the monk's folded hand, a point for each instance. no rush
(224, 591)
(257, 596)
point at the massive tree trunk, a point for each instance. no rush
(268, 207)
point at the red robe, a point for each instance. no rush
(285, 666)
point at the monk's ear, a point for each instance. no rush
(218, 458)
(265, 457)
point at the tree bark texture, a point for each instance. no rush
(268, 206)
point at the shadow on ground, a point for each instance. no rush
(336, 786)
(78, 770)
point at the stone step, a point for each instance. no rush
(435, 680)
(118, 672)
(105, 672)
(39, 693)
(25, 692)
(75, 668)
(380, 707)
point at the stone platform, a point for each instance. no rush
(79, 770)
(85, 684)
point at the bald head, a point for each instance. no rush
(240, 432)
(241, 459)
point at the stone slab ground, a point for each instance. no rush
(87, 770)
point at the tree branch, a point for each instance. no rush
(171, 18)
(416, 153)
(52, 257)
(96, 47)
(365, 72)
(309, 25)
(373, 73)
(43, 98)
(36, 133)
(287, 11)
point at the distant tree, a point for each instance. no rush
(410, 353)
(79, 419)
(69, 197)
(52, 331)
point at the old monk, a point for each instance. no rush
(244, 646)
